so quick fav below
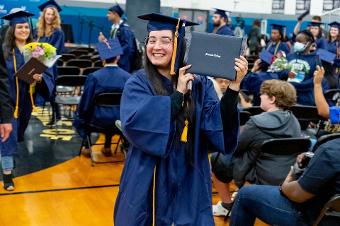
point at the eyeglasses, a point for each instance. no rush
(165, 41)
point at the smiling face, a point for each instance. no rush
(49, 16)
(275, 35)
(334, 32)
(22, 31)
(159, 48)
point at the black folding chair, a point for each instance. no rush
(305, 115)
(95, 58)
(104, 100)
(72, 81)
(79, 63)
(330, 209)
(98, 63)
(325, 138)
(90, 70)
(79, 53)
(85, 57)
(255, 110)
(281, 153)
(332, 96)
(87, 49)
(60, 62)
(68, 70)
(67, 56)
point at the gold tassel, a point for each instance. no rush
(16, 109)
(184, 136)
(34, 108)
(174, 53)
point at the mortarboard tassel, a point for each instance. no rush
(174, 53)
(184, 136)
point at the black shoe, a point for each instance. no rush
(8, 182)
(53, 122)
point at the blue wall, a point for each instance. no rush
(81, 17)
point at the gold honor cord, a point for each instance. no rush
(16, 111)
(174, 53)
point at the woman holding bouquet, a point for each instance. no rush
(17, 36)
(49, 30)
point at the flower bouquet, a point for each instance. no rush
(44, 52)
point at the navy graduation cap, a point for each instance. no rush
(266, 57)
(315, 24)
(117, 9)
(326, 56)
(334, 24)
(278, 27)
(158, 22)
(50, 3)
(109, 49)
(18, 17)
(222, 13)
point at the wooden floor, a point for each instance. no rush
(72, 193)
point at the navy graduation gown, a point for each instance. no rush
(321, 43)
(25, 105)
(225, 30)
(253, 81)
(105, 80)
(182, 190)
(306, 65)
(127, 41)
(271, 47)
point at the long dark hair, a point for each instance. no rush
(9, 40)
(188, 110)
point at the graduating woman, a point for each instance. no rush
(333, 46)
(166, 178)
(49, 30)
(17, 36)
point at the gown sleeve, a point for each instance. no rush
(145, 118)
(58, 41)
(220, 127)
(84, 110)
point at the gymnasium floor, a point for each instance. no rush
(55, 187)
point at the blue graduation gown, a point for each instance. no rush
(127, 41)
(105, 80)
(182, 190)
(282, 47)
(321, 43)
(225, 30)
(252, 82)
(306, 65)
(25, 105)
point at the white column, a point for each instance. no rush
(290, 7)
(316, 7)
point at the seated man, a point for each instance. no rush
(295, 202)
(275, 122)
(108, 79)
(331, 113)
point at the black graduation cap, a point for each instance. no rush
(50, 3)
(17, 17)
(159, 22)
(303, 15)
(334, 24)
(109, 49)
(222, 13)
(117, 9)
(278, 27)
(315, 24)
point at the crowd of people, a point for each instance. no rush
(173, 119)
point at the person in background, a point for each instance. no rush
(220, 22)
(239, 28)
(317, 32)
(49, 30)
(108, 79)
(301, 66)
(299, 200)
(276, 42)
(121, 30)
(276, 121)
(333, 45)
(17, 36)
(254, 38)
